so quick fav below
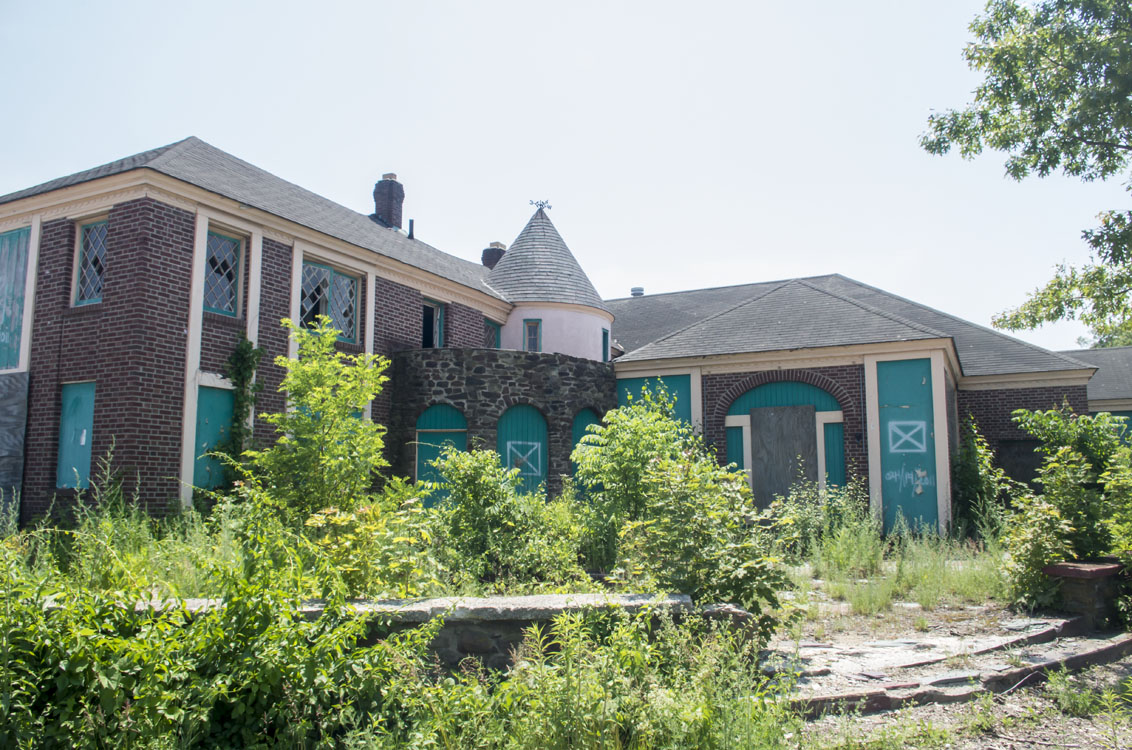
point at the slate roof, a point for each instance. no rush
(538, 267)
(1113, 378)
(783, 315)
(198, 163)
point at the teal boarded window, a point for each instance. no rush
(13, 277)
(492, 334)
(327, 292)
(222, 274)
(76, 428)
(790, 393)
(678, 387)
(91, 262)
(438, 427)
(522, 444)
(532, 335)
(214, 425)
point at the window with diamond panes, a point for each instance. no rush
(327, 292)
(92, 263)
(222, 274)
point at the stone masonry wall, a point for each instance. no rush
(845, 382)
(483, 383)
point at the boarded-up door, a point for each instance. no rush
(784, 448)
(438, 427)
(907, 437)
(522, 442)
(214, 424)
(76, 428)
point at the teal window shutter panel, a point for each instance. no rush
(13, 276)
(440, 426)
(679, 387)
(214, 425)
(76, 428)
(582, 420)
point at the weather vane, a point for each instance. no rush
(543, 205)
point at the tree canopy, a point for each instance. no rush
(1057, 96)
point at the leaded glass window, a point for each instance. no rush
(92, 263)
(327, 292)
(222, 274)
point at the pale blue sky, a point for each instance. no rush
(682, 145)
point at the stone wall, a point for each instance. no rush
(484, 383)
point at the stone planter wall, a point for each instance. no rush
(1089, 590)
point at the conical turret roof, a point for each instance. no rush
(538, 267)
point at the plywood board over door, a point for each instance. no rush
(783, 449)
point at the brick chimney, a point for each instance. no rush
(493, 253)
(388, 196)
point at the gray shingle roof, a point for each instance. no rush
(198, 163)
(792, 314)
(538, 267)
(1113, 378)
(982, 351)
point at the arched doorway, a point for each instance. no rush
(522, 444)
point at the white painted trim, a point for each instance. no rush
(1110, 404)
(31, 271)
(255, 284)
(743, 421)
(192, 358)
(655, 372)
(872, 428)
(697, 396)
(296, 295)
(942, 452)
(371, 324)
(214, 380)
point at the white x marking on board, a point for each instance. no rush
(908, 437)
(524, 456)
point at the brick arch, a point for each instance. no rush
(849, 406)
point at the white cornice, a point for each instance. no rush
(1110, 404)
(102, 193)
(793, 359)
(608, 316)
(1025, 380)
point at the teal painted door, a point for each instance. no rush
(13, 275)
(214, 424)
(678, 386)
(790, 393)
(582, 420)
(907, 439)
(438, 427)
(76, 427)
(522, 442)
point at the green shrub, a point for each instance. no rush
(384, 548)
(494, 533)
(808, 514)
(326, 453)
(982, 491)
(671, 517)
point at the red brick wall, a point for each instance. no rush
(992, 409)
(846, 383)
(274, 305)
(132, 344)
(397, 327)
(463, 327)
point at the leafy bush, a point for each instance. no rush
(495, 533)
(1076, 514)
(983, 491)
(326, 453)
(384, 548)
(668, 513)
(807, 515)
